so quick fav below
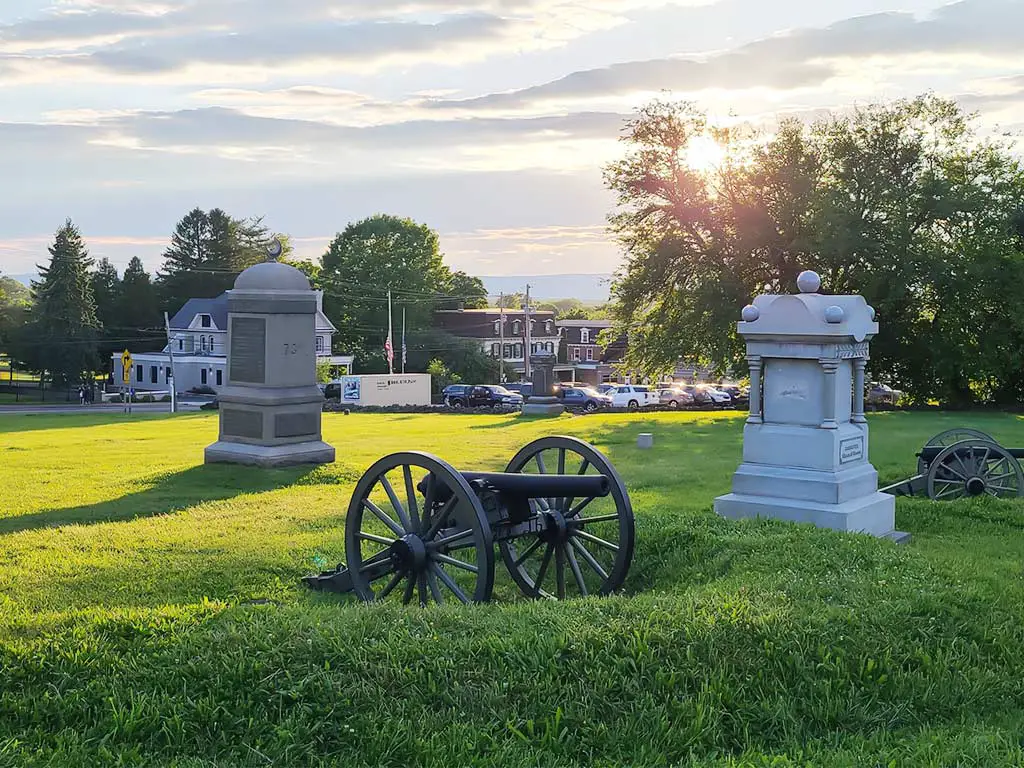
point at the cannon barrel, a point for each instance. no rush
(543, 486)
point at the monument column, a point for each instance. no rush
(755, 389)
(857, 416)
(830, 368)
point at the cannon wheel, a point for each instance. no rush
(399, 545)
(972, 468)
(587, 545)
(949, 437)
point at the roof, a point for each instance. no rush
(584, 323)
(217, 309)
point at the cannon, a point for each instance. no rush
(962, 463)
(559, 517)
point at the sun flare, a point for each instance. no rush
(704, 154)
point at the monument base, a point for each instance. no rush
(543, 406)
(312, 452)
(873, 514)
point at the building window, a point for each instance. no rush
(551, 347)
(517, 328)
(590, 353)
(202, 339)
(495, 350)
(153, 374)
(319, 343)
(220, 377)
(575, 353)
(167, 375)
(181, 344)
(517, 351)
(584, 335)
(204, 320)
(202, 375)
(508, 351)
(547, 326)
(138, 373)
(497, 327)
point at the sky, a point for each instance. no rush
(488, 120)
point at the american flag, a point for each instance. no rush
(389, 351)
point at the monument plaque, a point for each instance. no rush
(270, 411)
(248, 350)
(805, 443)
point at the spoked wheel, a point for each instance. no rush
(949, 437)
(586, 545)
(972, 468)
(415, 530)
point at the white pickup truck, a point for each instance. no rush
(633, 396)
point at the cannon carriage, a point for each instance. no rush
(963, 463)
(559, 517)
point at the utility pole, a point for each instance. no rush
(501, 346)
(170, 352)
(526, 347)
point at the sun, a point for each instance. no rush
(703, 154)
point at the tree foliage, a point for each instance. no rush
(60, 338)
(375, 255)
(902, 203)
(15, 300)
(207, 252)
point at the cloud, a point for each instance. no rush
(801, 58)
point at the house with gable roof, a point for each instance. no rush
(198, 340)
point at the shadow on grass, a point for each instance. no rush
(171, 492)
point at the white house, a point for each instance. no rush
(199, 336)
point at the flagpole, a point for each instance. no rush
(403, 339)
(391, 344)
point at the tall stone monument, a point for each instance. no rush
(542, 400)
(270, 407)
(805, 443)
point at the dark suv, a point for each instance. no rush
(583, 397)
(480, 396)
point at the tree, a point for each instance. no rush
(367, 259)
(64, 328)
(208, 251)
(464, 291)
(15, 299)
(899, 202)
(106, 291)
(138, 310)
(310, 270)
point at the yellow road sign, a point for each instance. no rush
(126, 366)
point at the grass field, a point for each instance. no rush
(150, 614)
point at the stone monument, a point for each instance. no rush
(542, 400)
(805, 450)
(270, 406)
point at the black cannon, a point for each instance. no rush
(961, 463)
(559, 514)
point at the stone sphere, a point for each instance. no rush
(750, 313)
(872, 311)
(272, 276)
(834, 314)
(808, 281)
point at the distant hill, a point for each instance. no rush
(586, 288)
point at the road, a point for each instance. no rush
(30, 409)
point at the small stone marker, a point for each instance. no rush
(805, 452)
(542, 400)
(645, 440)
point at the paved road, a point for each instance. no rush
(96, 408)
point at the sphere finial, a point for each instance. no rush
(750, 313)
(274, 250)
(808, 281)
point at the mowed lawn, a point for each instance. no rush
(151, 614)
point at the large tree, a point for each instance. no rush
(901, 203)
(369, 258)
(106, 292)
(62, 335)
(138, 310)
(15, 299)
(207, 252)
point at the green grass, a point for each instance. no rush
(150, 614)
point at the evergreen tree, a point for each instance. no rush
(106, 292)
(64, 327)
(138, 310)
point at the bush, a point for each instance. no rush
(203, 389)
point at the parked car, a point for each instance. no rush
(715, 395)
(674, 397)
(524, 388)
(332, 390)
(881, 393)
(740, 395)
(480, 396)
(633, 396)
(583, 397)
